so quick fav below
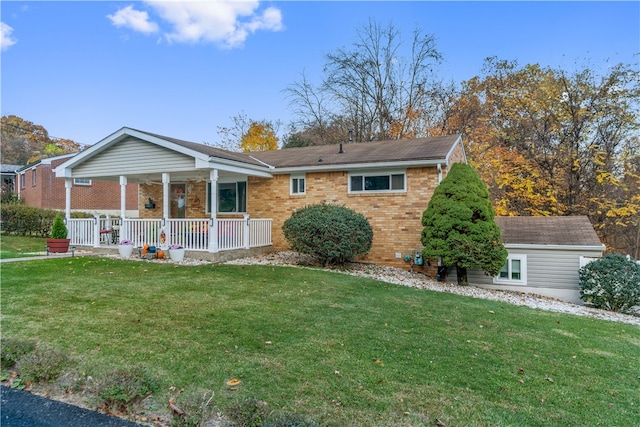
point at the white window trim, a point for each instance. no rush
(387, 172)
(225, 181)
(298, 177)
(523, 271)
(75, 182)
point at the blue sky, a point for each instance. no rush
(85, 69)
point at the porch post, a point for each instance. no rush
(247, 231)
(67, 194)
(123, 207)
(166, 180)
(213, 221)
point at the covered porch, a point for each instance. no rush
(189, 194)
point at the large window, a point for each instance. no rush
(514, 271)
(232, 197)
(298, 184)
(377, 182)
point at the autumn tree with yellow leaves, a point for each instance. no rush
(259, 137)
(547, 142)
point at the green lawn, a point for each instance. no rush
(338, 349)
(19, 246)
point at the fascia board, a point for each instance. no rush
(231, 166)
(359, 166)
(554, 247)
(453, 147)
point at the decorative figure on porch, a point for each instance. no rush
(163, 238)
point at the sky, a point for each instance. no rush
(83, 70)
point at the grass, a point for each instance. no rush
(20, 246)
(338, 349)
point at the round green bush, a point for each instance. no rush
(611, 283)
(332, 233)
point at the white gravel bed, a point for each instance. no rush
(405, 278)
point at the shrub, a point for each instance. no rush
(26, 220)
(124, 388)
(197, 409)
(611, 283)
(42, 364)
(248, 413)
(334, 234)
(59, 229)
(13, 350)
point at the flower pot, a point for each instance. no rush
(176, 255)
(125, 250)
(58, 245)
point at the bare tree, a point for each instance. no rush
(374, 87)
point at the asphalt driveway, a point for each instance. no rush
(21, 409)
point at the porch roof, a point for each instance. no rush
(144, 156)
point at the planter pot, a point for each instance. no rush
(176, 254)
(125, 250)
(58, 245)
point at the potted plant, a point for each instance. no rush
(176, 252)
(58, 242)
(125, 247)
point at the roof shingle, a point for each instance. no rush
(546, 230)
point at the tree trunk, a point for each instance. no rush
(461, 272)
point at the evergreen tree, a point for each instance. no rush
(459, 225)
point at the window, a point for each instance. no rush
(514, 271)
(33, 177)
(298, 184)
(22, 183)
(232, 197)
(377, 183)
(81, 181)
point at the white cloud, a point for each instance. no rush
(5, 36)
(135, 19)
(228, 23)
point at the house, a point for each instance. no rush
(8, 176)
(38, 186)
(209, 200)
(545, 254)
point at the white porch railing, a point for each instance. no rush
(192, 234)
(81, 231)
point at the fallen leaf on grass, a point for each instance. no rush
(232, 382)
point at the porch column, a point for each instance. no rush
(213, 221)
(123, 208)
(67, 194)
(166, 180)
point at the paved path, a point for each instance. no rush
(22, 409)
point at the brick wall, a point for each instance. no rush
(196, 192)
(395, 217)
(49, 192)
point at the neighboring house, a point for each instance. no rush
(545, 254)
(38, 186)
(8, 176)
(191, 186)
